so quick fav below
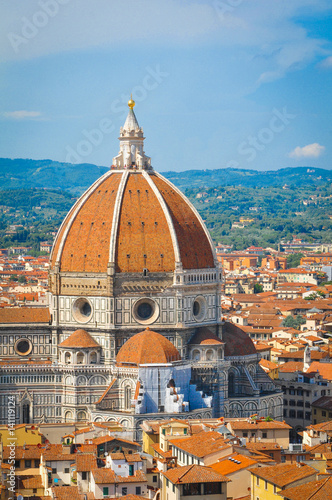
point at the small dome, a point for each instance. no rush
(147, 347)
(79, 339)
(237, 342)
(204, 336)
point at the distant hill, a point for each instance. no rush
(50, 174)
(291, 177)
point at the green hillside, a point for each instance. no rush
(273, 206)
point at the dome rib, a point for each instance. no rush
(167, 215)
(65, 227)
(190, 229)
(116, 213)
(191, 206)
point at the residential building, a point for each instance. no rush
(267, 483)
(194, 480)
(322, 409)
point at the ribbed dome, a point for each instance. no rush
(204, 336)
(238, 343)
(134, 220)
(80, 339)
(147, 347)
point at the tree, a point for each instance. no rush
(22, 279)
(294, 322)
(258, 288)
(294, 260)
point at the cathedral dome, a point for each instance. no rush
(147, 347)
(132, 219)
(238, 343)
(204, 336)
(135, 220)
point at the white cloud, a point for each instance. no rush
(326, 63)
(310, 151)
(21, 114)
(30, 30)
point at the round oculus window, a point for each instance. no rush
(145, 311)
(82, 310)
(199, 308)
(23, 347)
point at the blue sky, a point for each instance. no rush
(217, 83)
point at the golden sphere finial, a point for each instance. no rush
(131, 102)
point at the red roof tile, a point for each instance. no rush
(147, 347)
(194, 474)
(25, 315)
(80, 338)
(284, 474)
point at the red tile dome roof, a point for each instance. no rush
(147, 347)
(237, 342)
(80, 339)
(136, 220)
(204, 336)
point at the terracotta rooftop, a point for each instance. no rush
(324, 369)
(323, 426)
(283, 474)
(79, 339)
(128, 457)
(69, 493)
(107, 439)
(147, 347)
(263, 446)
(85, 462)
(201, 444)
(324, 402)
(30, 482)
(106, 475)
(233, 463)
(314, 490)
(291, 367)
(297, 355)
(194, 474)
(257, 424)
(268, 365)
(25, 315)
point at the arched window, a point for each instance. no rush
(80, 358)
(209, 355)
(196, 355)
(68, 416)
(81, 416)
(93, 358)
(67, 357)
